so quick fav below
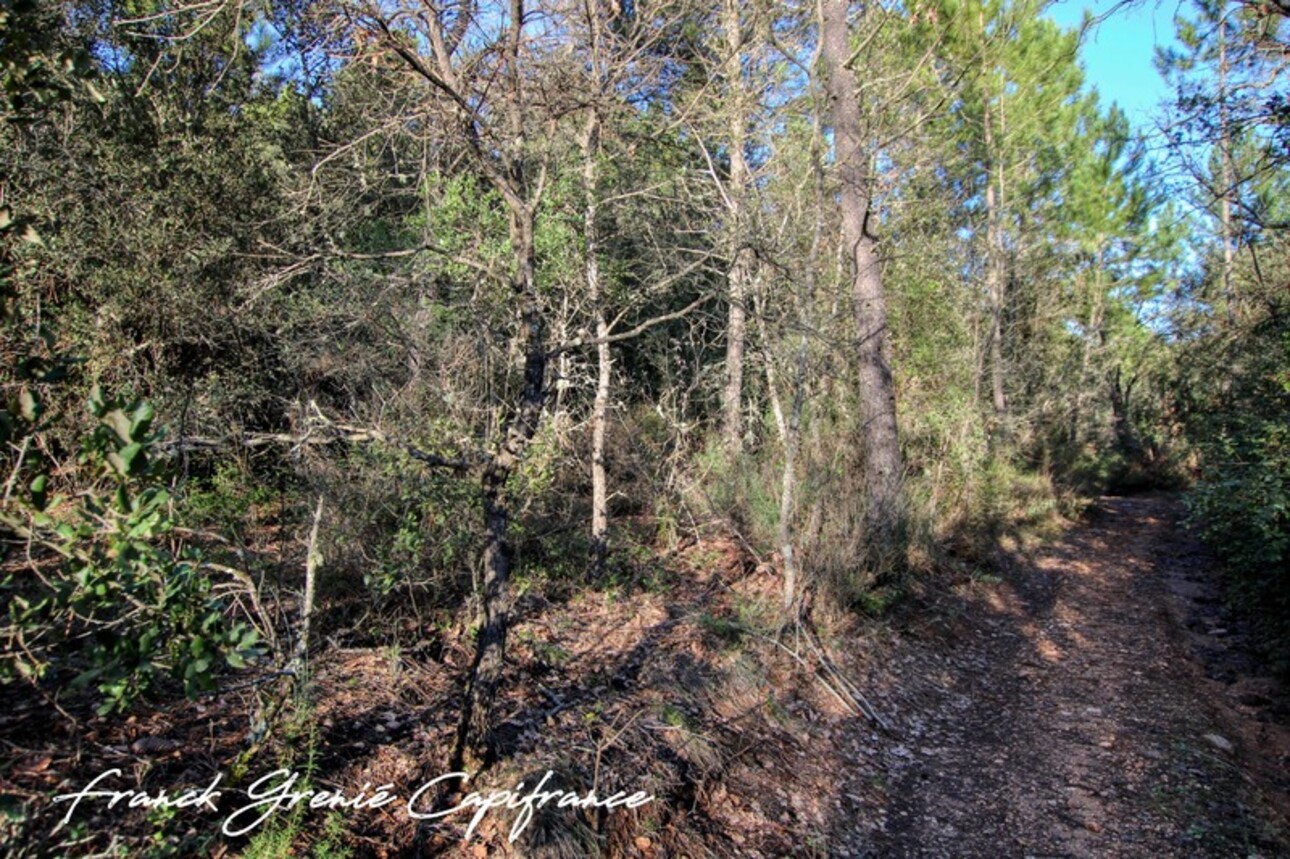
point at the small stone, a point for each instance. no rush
(1093, 826)
(643, 843)
(1221, 743)
(480, 851)
(154, 746)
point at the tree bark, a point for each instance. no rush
(995, 274)
(741, 265)
(790, 425)
(787, 425)
(1126, 440)
(474, 734)
(1093, 336)
(877, 394)
(1227, 179)
(600, 406)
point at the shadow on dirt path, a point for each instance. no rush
(1068, 722)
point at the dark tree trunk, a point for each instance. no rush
(742, 265)
(1126, 440)
(882, 465)
(474, 736)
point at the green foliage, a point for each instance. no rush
(271, 234)
(1244, 509)
(740, 491)
(406, 530)
(227, 498)
(1241, 504)
(1233, 373)
(725, 629)
(123, 604)
(37, 68)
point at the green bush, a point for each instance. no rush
(1243, 512)
(123, 606)
(1241, 504)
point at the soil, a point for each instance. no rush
(1100, 703)
(1092, 698)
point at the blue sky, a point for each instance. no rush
(1118, 53)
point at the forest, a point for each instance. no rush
(549, 384)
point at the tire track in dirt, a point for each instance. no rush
(1067, 724)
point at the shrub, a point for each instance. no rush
(1242, 510)
(1241, 503)
(122, 606)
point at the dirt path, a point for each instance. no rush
(1068, 722)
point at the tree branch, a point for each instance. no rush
(578, 343)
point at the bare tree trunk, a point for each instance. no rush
(787, 425)
(1126, 439)
(741, 265)
(599, 477)
(790, 425)
(1227, 179)
(1092, 334)
(995, 274)
(474, 735)
(736, 335)
(882, 463)
(300, 659)
(600, 407)
(561, 419)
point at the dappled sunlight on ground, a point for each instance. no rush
(1071, 727)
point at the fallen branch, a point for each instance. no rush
(845, 683)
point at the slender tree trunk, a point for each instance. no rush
(978, 355)
(1092, 335)
(736, 335)
(300, 658)
(995, 272)
(1121, 422)
(474, 734)
(741, 264)
(599, 477)
(561, 419)
(600, 406)
(786, 424)
(790, 425)
(1227, 179)
(882, 464)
